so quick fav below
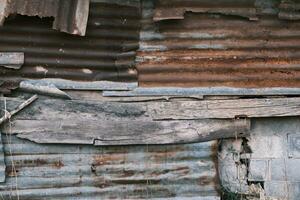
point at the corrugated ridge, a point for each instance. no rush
(78, 171)
(107, 52)
(218, 49)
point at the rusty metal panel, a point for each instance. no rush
(289, 10)
(69, 15)
(107, 52)
(214, 49)
(176, 9)
(120, 172)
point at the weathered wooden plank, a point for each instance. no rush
(202, 109)
(124, 123)
(201, 91)
(225, 109)
(12, 60)
(126, 132)
(48, 109)
(97, 96)
(81, 85)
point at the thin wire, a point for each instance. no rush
(146, 174)
(8, 136)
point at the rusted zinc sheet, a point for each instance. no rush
(69, 15)
(209, 47)
(37, 171)
(289, 9)
(176, 9)
(107, 52)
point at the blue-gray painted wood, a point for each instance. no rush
(81, 85)
(201, 91)
(12, 60)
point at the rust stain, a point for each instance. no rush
(205, 180)
(180, 170)
(11, 172)
(58, 164)
(215, 50)
(159, 157)
(36, 163)
(107, 159)
(127, 173)
(214, 157)
(166, 10)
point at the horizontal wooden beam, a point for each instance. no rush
(161, 109)
(152, 122)
(225, 109)
(80, 131)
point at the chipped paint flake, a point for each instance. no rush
(87, 71)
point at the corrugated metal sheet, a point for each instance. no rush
(107, 52)
(2, 163)
(211, 46)
(70, 15)
(289, 9)
(128, 172)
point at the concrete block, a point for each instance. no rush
(294, 145)
(258, 170)
(285, 170)
(265, 147)
(276, 189)
(283, 190)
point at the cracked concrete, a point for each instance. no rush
(266, 164)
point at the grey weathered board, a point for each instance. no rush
(12, 60)
(157, 122)
(107, 132)
(224, 109)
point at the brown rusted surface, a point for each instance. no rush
(69, 15)
(289, 10)
(176, 9)
(107, 52)
(215, 49)
(215, 148)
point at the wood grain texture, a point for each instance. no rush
(225, 109)
(152, 122)
(80, 131)
(158, 110)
